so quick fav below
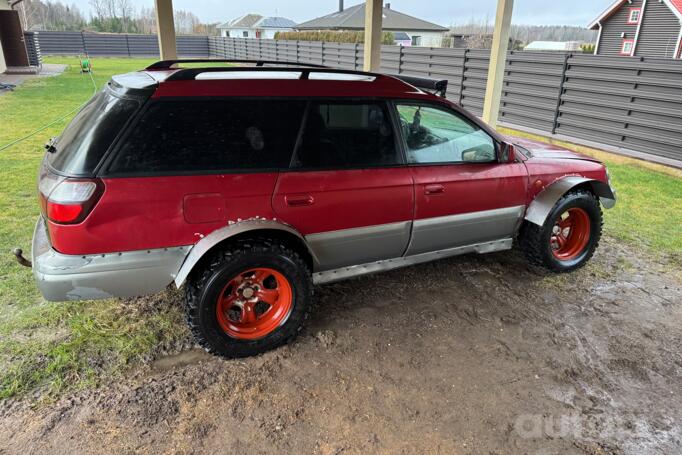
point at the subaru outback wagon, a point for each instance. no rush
(249, 184)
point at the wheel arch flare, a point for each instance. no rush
(235, 230)
(542, 205)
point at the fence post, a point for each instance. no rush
(401, 54)
(461, 82)
(555, 123)
(128, 45)
(298, 51)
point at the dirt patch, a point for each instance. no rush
(475, 354)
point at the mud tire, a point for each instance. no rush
(535, 242)
(205, 285)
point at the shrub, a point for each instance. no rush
(587, 48)
(332, 36)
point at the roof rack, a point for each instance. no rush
(436, 86)
(191, 73)
(168, 64)
(439, 86)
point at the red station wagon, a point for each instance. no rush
(249, 184)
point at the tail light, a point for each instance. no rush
(66, 200)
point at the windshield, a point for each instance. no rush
(83, 143)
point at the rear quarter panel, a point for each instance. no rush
(159, 212)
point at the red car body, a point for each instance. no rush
(151, 213)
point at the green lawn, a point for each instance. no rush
(52, 347)
(57, 346)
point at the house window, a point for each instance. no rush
(634, 16)
(416, 40)
(627, 47)
(245, 34)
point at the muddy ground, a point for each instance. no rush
(471, 355)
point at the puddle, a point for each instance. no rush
(180, 360)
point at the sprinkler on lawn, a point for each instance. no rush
(86, 67)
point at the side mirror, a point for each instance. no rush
(507, 153)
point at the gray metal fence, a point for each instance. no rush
(632, 105)
(116, 45)
(33, 49)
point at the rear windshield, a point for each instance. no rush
(84, 142)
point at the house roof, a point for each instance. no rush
(674, 5)
(275, 22)
(246, 21)
(354, 18)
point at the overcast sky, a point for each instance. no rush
(443, 12)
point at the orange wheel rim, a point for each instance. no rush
(570, 234)
(254, 303)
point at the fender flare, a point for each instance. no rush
(539, 208)
(207, 243)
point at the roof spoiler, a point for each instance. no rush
(438, 86)
(168, 64)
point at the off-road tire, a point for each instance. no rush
(205, 285)
(534, 240)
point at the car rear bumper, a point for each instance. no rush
(63, 277)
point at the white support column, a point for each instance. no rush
(373, 23)
(639, 27)
(596, 48)
(165, 29)
(678, 47)
(498, 57)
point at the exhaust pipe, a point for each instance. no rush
(19, 255)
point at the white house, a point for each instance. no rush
(562, 46)
(418, 31)
(255, 26)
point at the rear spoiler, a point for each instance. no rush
(438, 86)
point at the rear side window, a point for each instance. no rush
(210, 135)
(86, 139)
(346, 134)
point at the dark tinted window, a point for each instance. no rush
(346, 135)
(83, 143)
(214, 135)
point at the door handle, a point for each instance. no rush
(299, 200)
(434, 189)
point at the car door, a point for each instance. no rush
(347, 190)
(463, 194)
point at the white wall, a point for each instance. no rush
(428, 39)
(267, 33)
(238, 33)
